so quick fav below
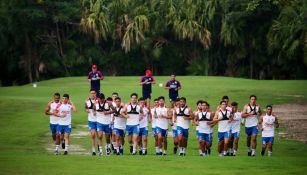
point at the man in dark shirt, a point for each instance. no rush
(173, 86)
(94, 78)
(146, 82)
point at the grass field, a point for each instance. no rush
(24, 136)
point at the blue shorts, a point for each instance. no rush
(103, 128)
(53, 128)
(222, 135)
(175, 133)
(143, 131)
(205, 137)
(61, 129)
(161, 131)
(119, 132)
(266, 140)
(112, 126)
(183, 132)
(172, 97)
(146, 94)
(92, 125)
(251, 130)
(132, 129)
(236, 135)
(154, 132)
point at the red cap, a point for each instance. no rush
(94, 66)
(148, 72)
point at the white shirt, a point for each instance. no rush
(53, 108)
(133, 119)
(153, 119)
(162, 122)
(90, 104)
(268, 125)
(102, 118)
(251, 120)
(236, 123)
(203, 119)
(119, 122)
(65, 108)
(195, 114)
(181, 122)
(144, 120)
(224, 125)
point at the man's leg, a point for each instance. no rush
(100, 135)
(254, 143)
(93, 140)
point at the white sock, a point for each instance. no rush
(100, 149)
(93, 149)
(66, 147)
(253, 151)
(234, 152)
(249, 149)
(269, 153)
(143, 150)
(183, 149)
(109, 145)
(57, 147)
(114, 144)
(157, 149)
(160, 150)
(164, 151)
(200, 151)
(134, 150)
(224, 153)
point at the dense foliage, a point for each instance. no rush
(260, 39)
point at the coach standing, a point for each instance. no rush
(94, 78)
(146, 82)
(173, 87)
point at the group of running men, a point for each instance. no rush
(114, 119)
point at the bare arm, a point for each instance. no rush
(47, 110)
(260, 123)
(276, 122)
(244, 112)
(124, 112)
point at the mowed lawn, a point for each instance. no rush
(25, 137)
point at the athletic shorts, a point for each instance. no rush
(172, 97)
(53, 128)
(183, 132)
(103, 128)
(205, 137)
(161, 131)
(143, 131)
(119, 132)
(112, 126)
(132, 129)
(61, 129)
(236, 135)
(222, 135)
(146, 94)
(175, 133)
(92, 125)
(154, 131)
(266, 140)
(251, 130)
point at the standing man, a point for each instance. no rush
(94, 78)
(92, 120)
(183, 115)
(51, 110)
(114, 96)
(251, 112)
(267, 124)
(143, 127)
(198, 110)
(119, 127)
(154, 117)
(173, 86)
(174, 125)
(235, 128)
(146, 82)
(64, 128)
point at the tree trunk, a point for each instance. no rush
(28, 58)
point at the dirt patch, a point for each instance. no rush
(293, 117)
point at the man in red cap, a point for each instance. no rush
(146, 82)
(94, 78)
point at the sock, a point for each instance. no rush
(269, 153)
(100, 149)
(249, 149)
(109, 145)
(134, 149)
(66, 147)
(234, 152)
(160, 150)
(157, 149)
(224, 153)
(183, 149)
(200, 151)
(114, 144)
(93, 149)
(253, 151)
(143, 150)
(164, 151)
(57, 147)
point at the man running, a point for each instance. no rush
(183, 116)
(267, 124)
(198, 110)
(51, 110)
(173, 86)
(64, 128)
(154, 117)
(132, 112)
(92, 120)
(251, 112)
(174, 125)
(235, 128)
(94, 78)
(203, 120)
(114, 96)
(223, 117)
(143, 127)
(119, 127)
(146, 83)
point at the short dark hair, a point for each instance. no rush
(205, 103)
(115, 93)
(92, 90)
(134, 94)
(225, 97)
(177, 99)
(183, 98)
(173, 74)
(223, 102)
(118, 98)
(56, 94)
(156, 99)
(161, 97)
(199, 101)
(253, 96)
(141, 99)
(234, 104)
(66, 95)
(269, 106)
(109, 99)
(101, 96)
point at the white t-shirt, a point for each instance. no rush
(162, 122)
(181, 112)
(251, 120)
(236, 123)
(224, 125)
(133, 112)
(119, 122)
(65, 108)
(153, 119)
(144, 120)
(102, 118)
(203, 119)
(53, 108)
(195, 114)
(90, 104)
(268, 125)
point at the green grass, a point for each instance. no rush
(25, 134)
